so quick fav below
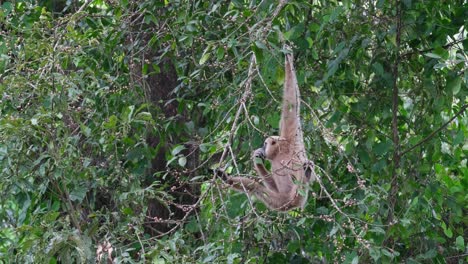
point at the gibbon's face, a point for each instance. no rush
(272, 146)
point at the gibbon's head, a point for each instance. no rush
(273, 146)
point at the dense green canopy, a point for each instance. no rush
(113, 115)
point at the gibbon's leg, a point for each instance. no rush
(244, 184)
(261, 170)
(258, 158)
(272, 199)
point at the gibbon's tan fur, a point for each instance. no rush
(285, 187)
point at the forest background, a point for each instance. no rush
(113, 115)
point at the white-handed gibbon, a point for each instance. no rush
(286, 186)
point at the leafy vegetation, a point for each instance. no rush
(114, 113)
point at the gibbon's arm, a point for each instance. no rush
(289, 124)
(258, 158)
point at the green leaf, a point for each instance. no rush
(220, 53)
(144, 70)
(448, 232)
(206, 55)
(432, 55)
(295, 32)
(128, 113)
(156, 68)
(204, 58)
(454, 85)
(144, 116)
(387, 253)
(374, 253)
(8, 7)
(111, 123)
(459, 138)
(190, 126)
(182, 161)
(78, 193)
(273, 119)
(171, 160)
(255, 120)
(258, 53)
(460, 243)
(382, 148)
(310, 41)
(232, 257)
(378, 68)
(407, 3)
(85, 130)
(204, 147)
(127, 211)
(260, 45)
(51, 216)
(430, 254)
(279, 75)
(442, 52)
(177, 149)
(377, 229)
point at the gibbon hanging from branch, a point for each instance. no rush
(286, 185)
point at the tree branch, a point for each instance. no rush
(449, 45)
(431, 135)
(395, 137)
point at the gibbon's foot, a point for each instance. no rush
(308, 169)
(220, 173)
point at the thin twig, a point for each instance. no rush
(266, 86)
(86, 4)
(245, 96)
(251, 123)
(141, 244)
(351, 224)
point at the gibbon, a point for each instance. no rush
(286, 186)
